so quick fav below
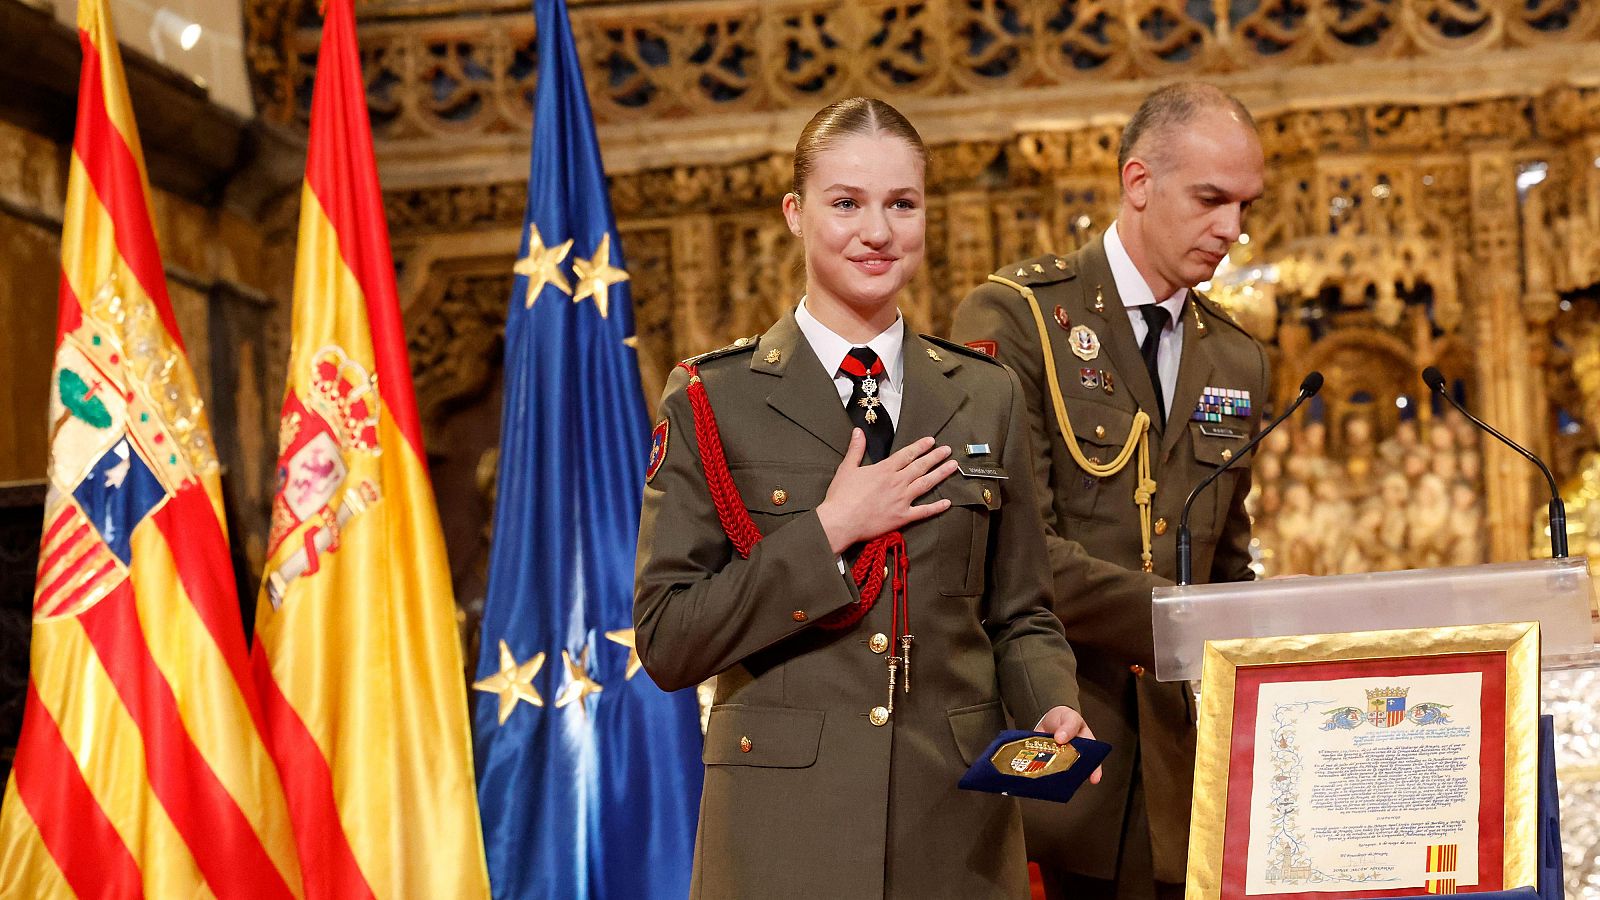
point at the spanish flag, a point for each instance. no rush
(141, 769)
(356, 652)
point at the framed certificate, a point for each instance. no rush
(1367, 764)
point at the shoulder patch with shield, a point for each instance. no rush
(658, 451)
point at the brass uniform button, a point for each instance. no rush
(1137, 670)
(1161, 526)
(745, 744)
(879, 716)
(878, 643)
(779, 497)
(798, 615)
(1226, 454)
(1099, 431)
(988, 496)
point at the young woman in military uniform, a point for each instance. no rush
(832, 528)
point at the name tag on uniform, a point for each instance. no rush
(1220, 431)
(972, 471)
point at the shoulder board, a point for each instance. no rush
(1046, 269)
(1216, 311)
(962, 349)
(739, 346)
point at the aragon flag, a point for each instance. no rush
(141, 769)
(357, 653)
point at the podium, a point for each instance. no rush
(1273, 759)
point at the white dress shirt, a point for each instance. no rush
(831, 349)
(1135, 292)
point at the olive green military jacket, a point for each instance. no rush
(804, 795)
(1093, 532)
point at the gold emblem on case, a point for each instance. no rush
(1033, 757)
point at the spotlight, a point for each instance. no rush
(171, 27)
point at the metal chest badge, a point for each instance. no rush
(1085, 343)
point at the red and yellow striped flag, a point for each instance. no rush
(1442, 857)
(141, 768)
(356, 652)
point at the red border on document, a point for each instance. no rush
(1492, 758)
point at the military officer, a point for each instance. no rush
(839, 523)
(1137, 388)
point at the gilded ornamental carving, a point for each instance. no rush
(471, 72)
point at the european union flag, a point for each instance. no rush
(588, 774)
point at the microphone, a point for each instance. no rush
(1308, 389)
(1558, 510)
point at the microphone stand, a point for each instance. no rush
(1558, 510)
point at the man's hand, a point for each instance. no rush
(866, 501)
(1064, 724)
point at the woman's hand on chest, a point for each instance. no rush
(866, 501)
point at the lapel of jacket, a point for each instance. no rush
(1195, 368)
(804, 393)
(1116, 331)
(928, 398)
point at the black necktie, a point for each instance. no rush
(865, 371)
(1156, 318)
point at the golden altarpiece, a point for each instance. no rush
(1433, 199)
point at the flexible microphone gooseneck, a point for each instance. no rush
(1308, 389)
(1558, 510)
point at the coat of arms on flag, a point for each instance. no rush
(115, 451)
(317, 429)
(1386, 707)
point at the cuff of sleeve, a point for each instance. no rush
(804, 546)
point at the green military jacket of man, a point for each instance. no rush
(804, 795)
(1093, 528)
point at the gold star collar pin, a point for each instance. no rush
(596, 276)
(542, 265)
(513, 682)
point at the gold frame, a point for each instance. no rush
(1520, 643)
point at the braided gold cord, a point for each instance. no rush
(1138, 435)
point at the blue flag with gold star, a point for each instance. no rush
(588, 774)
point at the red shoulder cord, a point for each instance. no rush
(869, 570)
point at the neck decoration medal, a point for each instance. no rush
(869, 386)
